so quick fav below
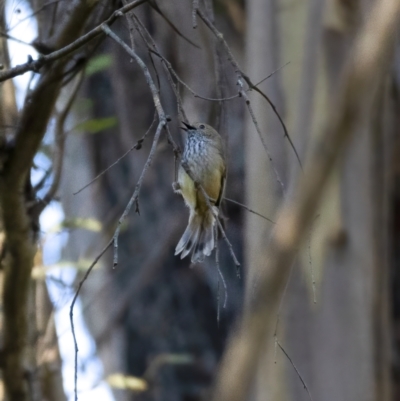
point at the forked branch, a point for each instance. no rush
(65, 51)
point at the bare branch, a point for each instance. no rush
(142, 65)
(149, 269)
(272, 73)
(81, 41)
(369, 57)
(264, 143)
(242, 75)
(135, 196)
(173, 72)
(310, 259)
(19, 227)
(153, 49)
(36, 12)
(169, 22)
(231, 251)
(249, 210)
(59, 148)
(71, 314)
(161, 125)
(162, 117)
(137, 146)
(296, 370)
(220, 274)
(14, 39)
(114, 240)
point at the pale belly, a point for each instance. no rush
(208, 172)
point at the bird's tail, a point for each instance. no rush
(198, 237)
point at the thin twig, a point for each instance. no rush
(286, 132)
(37, 11)
(297, 371)
(176, 150)
(217, 264)
(231, 251)
(369, 59)
(162, 123)
(193, 92)
(213, 99)
(114, 239)
(218, 73)
(81, 41)
(14, 39)
(272, 73)
(242, 75)
(218, 307)
(220, 276)
(43, 180)
(130, 27)
(152, 48)
(249, 210)
(183, 83)
(135, 195)
(310, 259)
(264, 143)
(137, 146)
(155, 7)
(59, 143)
(278, 314)
(18, 224)
(156, 99)
(171, 141)
(71, 315)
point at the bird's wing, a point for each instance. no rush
(222, 190)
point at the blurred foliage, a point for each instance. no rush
(123, 382)
(96, 125)
(99, 63)
(39, 272)
(78, 222)
(167, 359)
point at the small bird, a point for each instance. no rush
(204, 155)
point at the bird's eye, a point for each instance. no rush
(202, 126)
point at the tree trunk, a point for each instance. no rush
(340, 345)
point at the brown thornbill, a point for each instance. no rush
(204, 156)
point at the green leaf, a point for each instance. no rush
(85, 224)
(124, 382)
(97, 124)
(163, 359)
(98, 63)
(83, 105)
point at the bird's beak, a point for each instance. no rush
(187, 126)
